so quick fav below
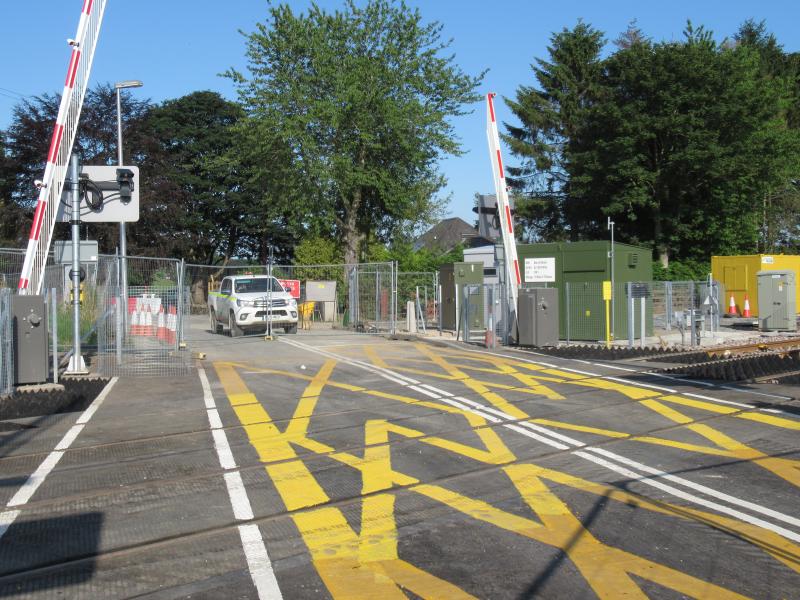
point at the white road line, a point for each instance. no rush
(644, 385)
(213, 418)
(255, 551)
(682, 380)
(699, 487)
(436, 390)
(555, 439)
(6, 519)
(238, 494)
(539, 438)
(259, 563)
(690, 497)
(67, 440)
(719, 400)
(35, 479)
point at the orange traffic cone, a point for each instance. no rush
(746, 311)
(732, 307)
(161, 334)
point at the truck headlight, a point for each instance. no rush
(292, 302)
(241, 303)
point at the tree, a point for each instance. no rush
(362, 99)
(28, 137)
(552, 116)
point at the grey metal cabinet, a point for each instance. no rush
(777, 300)
(537, 317)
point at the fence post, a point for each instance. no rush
(631, 314)
(118, 323)
(668, 303)
(566, 299)
(181, 301)
(54, 331)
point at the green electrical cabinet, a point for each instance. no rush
(584, 266)
(453, 277)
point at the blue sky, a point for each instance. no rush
(179, 46)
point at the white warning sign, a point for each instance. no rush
(540, 270)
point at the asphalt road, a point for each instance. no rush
(352, 466)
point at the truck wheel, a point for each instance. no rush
(291, 328)
(215, 325)
(235, 330)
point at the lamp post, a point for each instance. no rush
(123, 243)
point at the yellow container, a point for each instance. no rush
(738, 275)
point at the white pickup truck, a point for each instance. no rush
(243, 304)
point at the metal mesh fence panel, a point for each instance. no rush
(6, 347)
(330, 297)
(139, 333)
(484, 316)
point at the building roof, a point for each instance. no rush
(445, 235)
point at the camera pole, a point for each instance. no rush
(76, 363)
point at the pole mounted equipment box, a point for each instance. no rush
(777, 293)
(30, 339)
(109, 194)
(537, 317)
(453, 277)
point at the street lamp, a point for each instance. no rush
(123, 244)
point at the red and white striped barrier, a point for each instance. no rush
(514, 278)
(61, 141)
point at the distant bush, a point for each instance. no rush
(686, 270)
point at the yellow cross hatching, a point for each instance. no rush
(539, 376)
(367, 564)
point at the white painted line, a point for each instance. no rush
(615, 367)
(238, 494)
(735, 389)
(255, 551)
(27, 489)
(527, 429)
(671, 378)
(700, 488)
(718, 400)
(208, 397)
(226, 460)
(89, 412)
(6, 519)
(259, 563)
(213, 419)
(537, 437)
(640, 384)
(67, 440)
(421, 390)
(558, 436)
(437, 390)
(690, 497)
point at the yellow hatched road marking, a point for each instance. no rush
(366, 565)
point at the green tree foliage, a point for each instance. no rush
(193, 202)
(360, 100)
(679, 142)
(27, 140)
(552, 116)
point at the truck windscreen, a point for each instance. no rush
(257, 285)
